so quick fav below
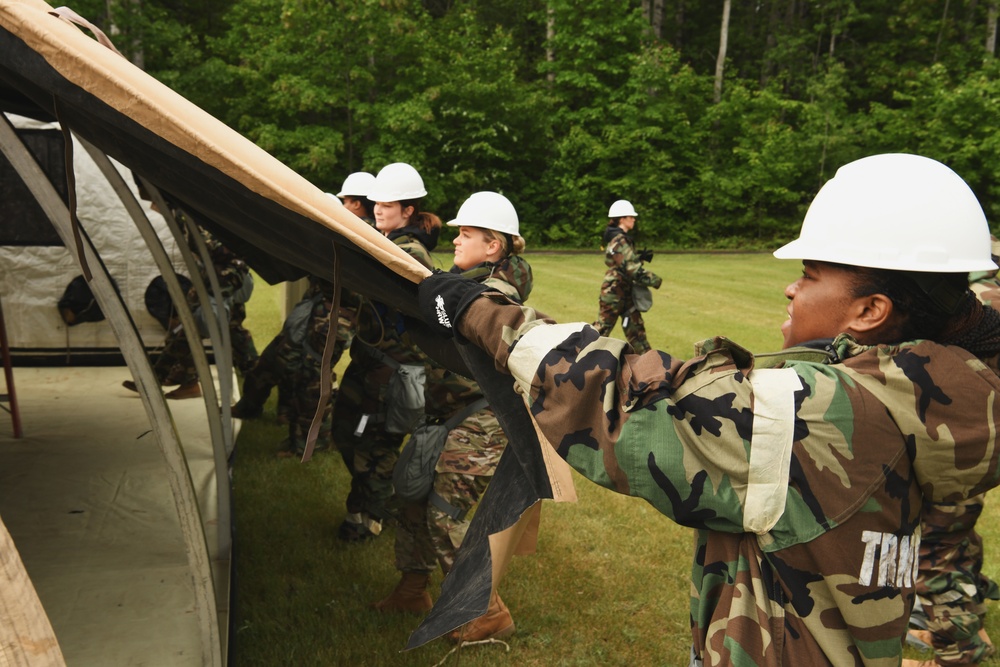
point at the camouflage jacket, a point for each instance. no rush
(319, 322)
(624, 266)
(446, 392)
(230, 269)
(381, 328)
(804, 478)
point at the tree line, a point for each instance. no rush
(717, 120)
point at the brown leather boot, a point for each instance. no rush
(409, 595)
(496, 623)
(190, 390)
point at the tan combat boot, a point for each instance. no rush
(410, 595)
(496, 623)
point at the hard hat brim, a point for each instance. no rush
(875, 256)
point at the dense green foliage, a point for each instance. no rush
(567, 105)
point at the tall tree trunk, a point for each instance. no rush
(133, 47)
(720, 62)
(679, 22)
(944, 22)
(767, 65)
(658, 19)
(834, 27)
(550, 33)
(652, 11)
(992, 14)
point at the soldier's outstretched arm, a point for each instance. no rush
(672, 432)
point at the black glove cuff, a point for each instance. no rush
(443, 297)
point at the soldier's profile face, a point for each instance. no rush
(354, 205)
(820, 303)
(472, 247)
(391, 215)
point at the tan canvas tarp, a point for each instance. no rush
(137, 96)
(268, 213)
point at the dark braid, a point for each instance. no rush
(938, 307)
(928, 304)
(980, 334)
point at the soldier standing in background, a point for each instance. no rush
(804, 472)
(625, 270)
(175, 365)
(354, 195)
(292, 361)
(368, 444)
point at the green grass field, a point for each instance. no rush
(609, 583)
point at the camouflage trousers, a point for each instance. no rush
(950, 584)
(305, 389)
(369, 452)
(430, 532)
(616, 301)
(241, 340)
(175, 365)
(273, 369)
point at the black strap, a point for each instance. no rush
(435, 499)
(381, 356)
(469, 410)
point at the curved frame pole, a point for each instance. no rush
(217, 429)
(215, 330)
(218, 333)
(178, 476)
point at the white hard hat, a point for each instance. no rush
(621, 208)
(397, 182)
(358, 184)
(487, 210)
(895, 211)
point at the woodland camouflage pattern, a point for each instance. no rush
(951, 586)
(832, 582)
(371, 456)
(427, 536)
(295, 368)
(175, 365)
(305, 379)
(624, 270)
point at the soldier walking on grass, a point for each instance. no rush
(624, 275)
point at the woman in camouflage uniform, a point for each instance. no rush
(487, 250)
(804, 472)
(952, 588)
(625, 270)
(380, 344)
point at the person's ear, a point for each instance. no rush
(407, 213)
(872, 313)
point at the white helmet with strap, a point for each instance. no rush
(895, 211)
(487, 210)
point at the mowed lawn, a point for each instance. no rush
(609, 583)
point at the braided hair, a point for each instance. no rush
(932, 306)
